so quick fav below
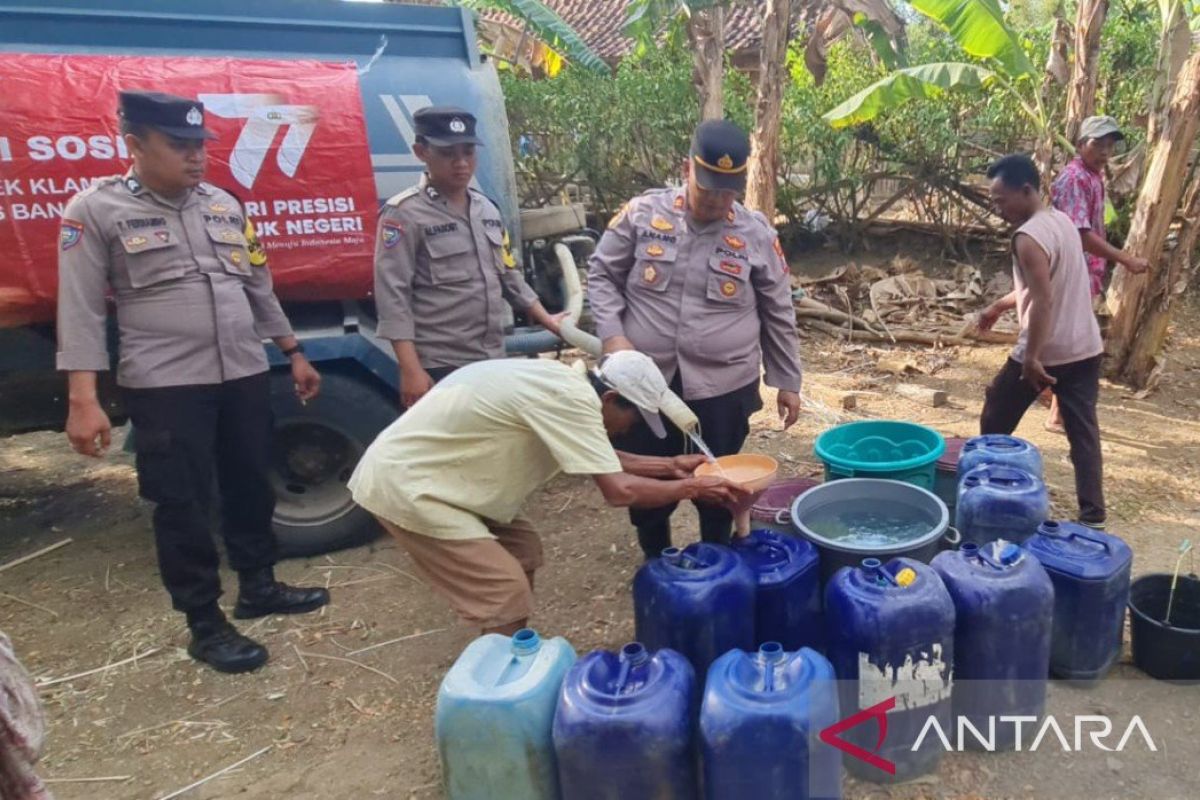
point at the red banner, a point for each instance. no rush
(292, 146)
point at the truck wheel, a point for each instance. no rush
(315, 451)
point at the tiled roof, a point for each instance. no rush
(600, 23)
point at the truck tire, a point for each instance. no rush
(316, 448)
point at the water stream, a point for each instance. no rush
(704, 448)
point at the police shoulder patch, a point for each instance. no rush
(258, 256)
(70, 233)
(783, 263)
(390, 233)
(620, 215)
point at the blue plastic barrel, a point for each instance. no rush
(787, 600)
(998, 502)
(494, 714)
(625, 727)
(698, 601)
(1000, 450)
(890, 637)
(760, 724)
(1004, 604)
(1090, 571)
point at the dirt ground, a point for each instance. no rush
(341, 723)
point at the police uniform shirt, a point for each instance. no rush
(440, 276)
(709, 302)
(193, 294)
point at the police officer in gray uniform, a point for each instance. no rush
(699, 283)
(443, 264)
(194, 301)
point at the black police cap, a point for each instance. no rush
(180, 117)
(444, 126)
(720, 151)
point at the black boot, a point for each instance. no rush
(220, 645)
(260, 595)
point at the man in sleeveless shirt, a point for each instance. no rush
(1059, 345)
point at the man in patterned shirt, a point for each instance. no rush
(1078, 192)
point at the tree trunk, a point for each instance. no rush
(706, 32)
(1174, 42)
(1043, 153)
(1140, 304)
(768, 107)
(1167, 285)
(1081, 95)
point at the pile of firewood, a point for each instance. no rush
(864, 303)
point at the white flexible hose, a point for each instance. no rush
(673, 407)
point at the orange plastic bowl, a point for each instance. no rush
(750, 470)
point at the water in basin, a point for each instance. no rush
(852, 525)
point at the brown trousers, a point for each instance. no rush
(488, 582)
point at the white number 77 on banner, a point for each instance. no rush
(264, 115)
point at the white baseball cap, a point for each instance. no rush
(636, 377)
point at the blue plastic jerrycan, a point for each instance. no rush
(1000, 450)
(890, 637)
(1004, 608)
(998, 502)
(1090, 571)
(698, 601)
(760, 726)
(494, 715)
(625, 727)
(787, 600)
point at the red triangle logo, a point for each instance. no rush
(878, 712)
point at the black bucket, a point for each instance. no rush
(1167, 652)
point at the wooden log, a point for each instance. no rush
(931, 339)
(934, 398)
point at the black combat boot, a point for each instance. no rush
(260, 595)
(217, 643)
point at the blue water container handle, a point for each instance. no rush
(1007, 476)
(1052, 529)
(1008, 557)
(874, 567)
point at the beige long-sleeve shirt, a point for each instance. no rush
(711, 302)
(441, 276)
(194, 298)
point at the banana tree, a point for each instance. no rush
(1081, 95)
(1000, 65)
(544, 23)
(1141, 305)
(705, 23)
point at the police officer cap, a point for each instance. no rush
(720, 150)
(175, 116)
(444, 126)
